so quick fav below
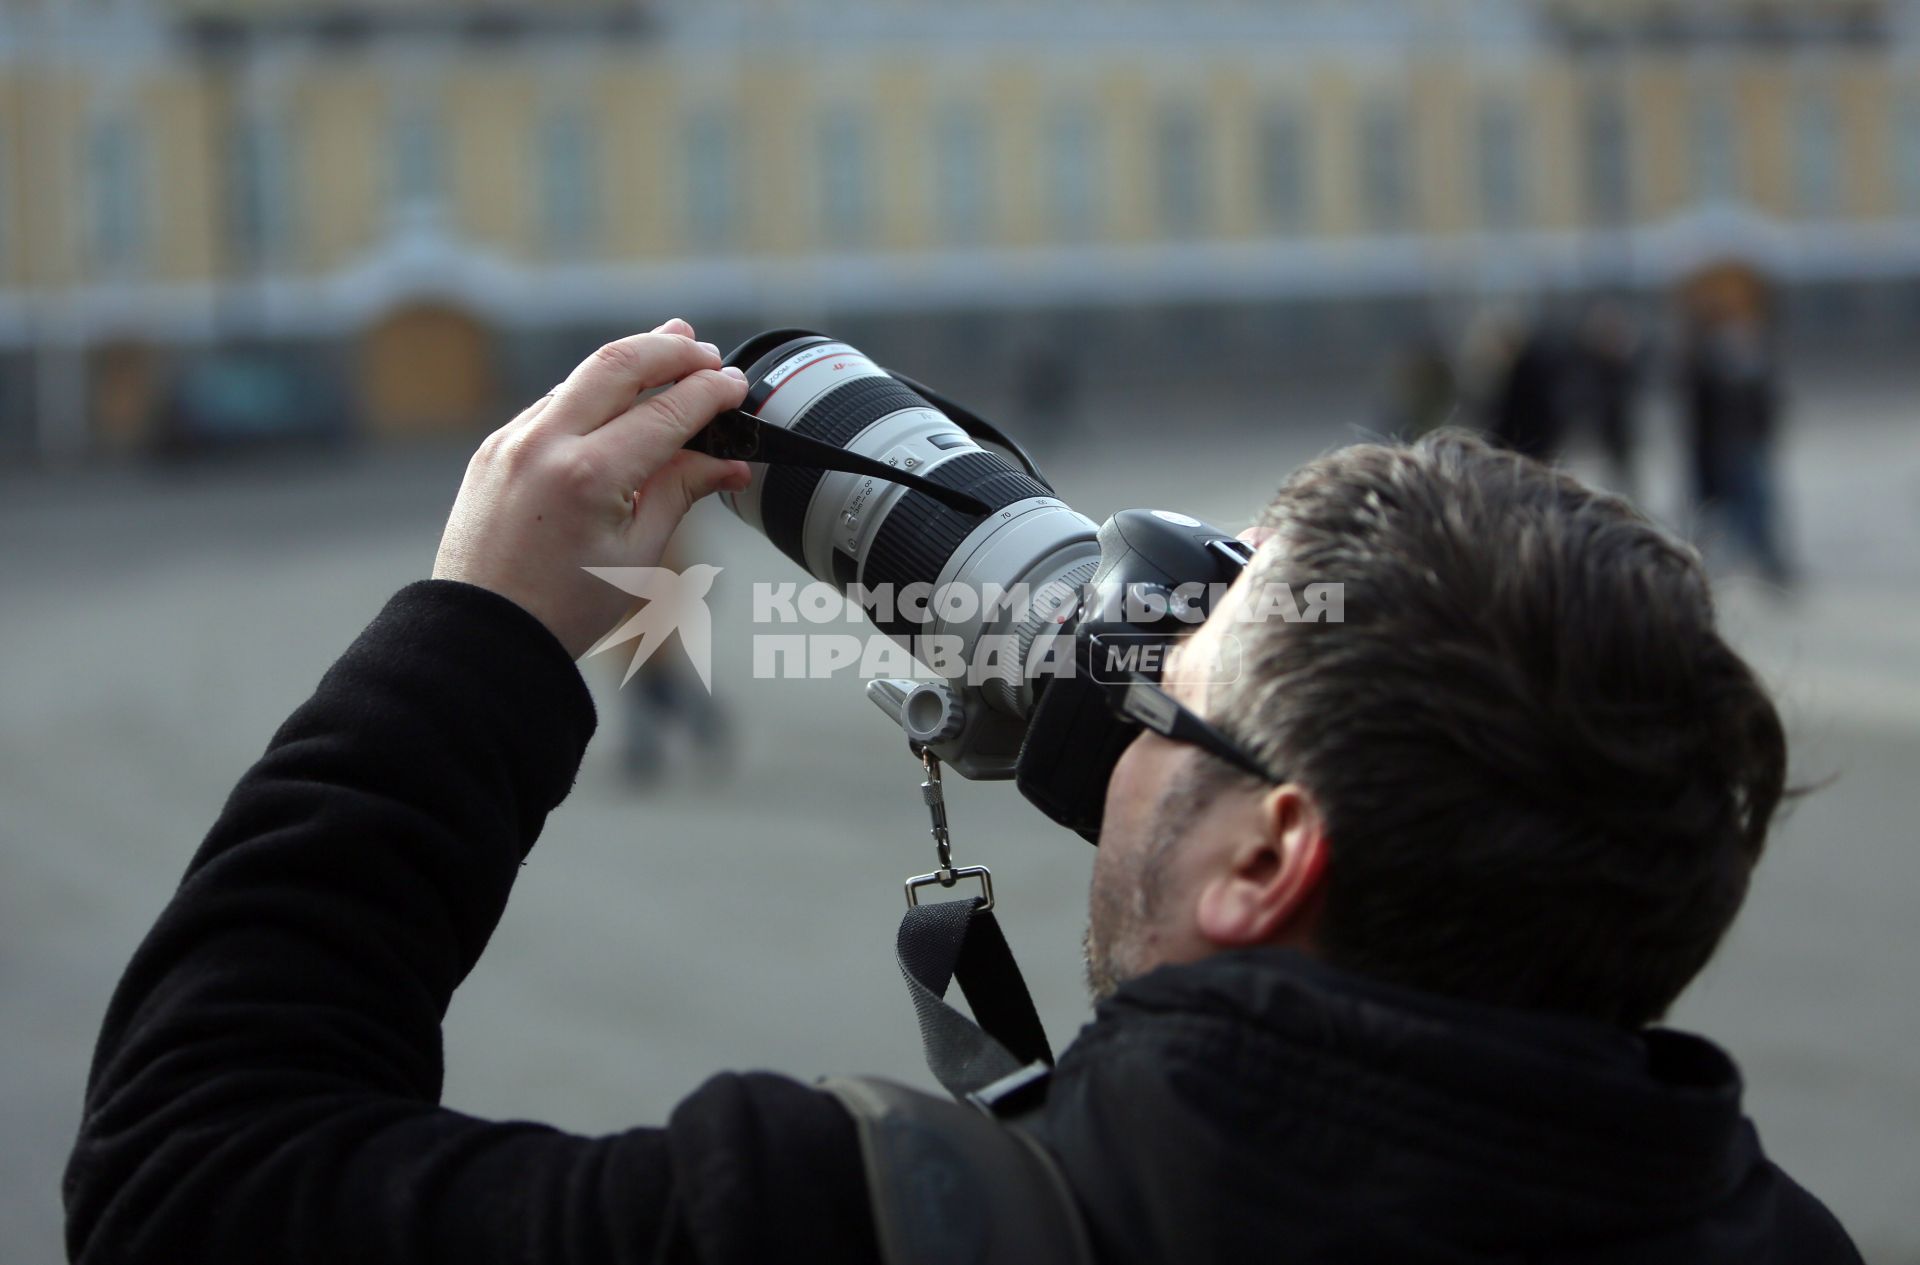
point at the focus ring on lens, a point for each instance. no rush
(919, 535)
(833, 419)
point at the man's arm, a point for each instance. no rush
(267, 1079)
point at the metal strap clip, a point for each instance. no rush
(948, 874)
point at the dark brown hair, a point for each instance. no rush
(1546, 776)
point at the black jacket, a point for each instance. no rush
(1340, 1119)
(267, 1080)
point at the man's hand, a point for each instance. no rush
(590, 476)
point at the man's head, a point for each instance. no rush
(1524, 768)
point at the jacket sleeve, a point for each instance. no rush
(267, 1080)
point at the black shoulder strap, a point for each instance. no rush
(951, 1185)
(741, 436)
(961, 940)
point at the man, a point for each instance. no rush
(1387, 1003)
(1530, 408)
(1732, 396)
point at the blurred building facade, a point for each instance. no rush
(421, 202)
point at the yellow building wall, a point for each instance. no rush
(1761, 93)
(1333, 172)
(902, 156)
(1015, 216)
(343, 167)
(49, 227)
(1658, 118)
(637, 100)
(491, 108)
(779, 181)
(1441, 102)
(1554, 147)
(14, 178)
(183, 130)
(1125, 103)
(1865, 106)
(490, 113)
(1232, 116)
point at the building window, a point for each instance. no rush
(1501, 161)
(1817, 154)
(417, 178)
(1182, 170)
(1073, 173)
(6, 207)
(1608, 172)
(263, 194)
(1716, 145)
(844, 179)
(567, 187)
(116, 197)
(1386, 194)
(713, 212)
(961, 176)
(1283, 165)
(1906, 157)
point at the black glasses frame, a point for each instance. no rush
(1140, 700)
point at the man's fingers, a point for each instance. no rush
(671, 492)
(647, 434)
(532, 410)
(521, 418)
(678, 327)
(605, 383)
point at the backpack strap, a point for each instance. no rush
(951, 1185)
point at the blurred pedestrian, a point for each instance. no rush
(1529, 411)
(1484, 354)
(1608, 380)
(1049, 391)
(1424, 391)
(665, 705)
(1732, 405)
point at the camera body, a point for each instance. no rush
(969, 560)
(1160, 573)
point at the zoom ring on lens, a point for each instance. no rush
(919, 536)
(834, 418)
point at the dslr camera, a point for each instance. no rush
(946, 533)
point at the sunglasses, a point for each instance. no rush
(1139, 700)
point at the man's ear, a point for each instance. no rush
(1272, 874)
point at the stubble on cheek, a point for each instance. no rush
(1096, 942)
(1124, 903)
(1099, 972)
(1120, 913)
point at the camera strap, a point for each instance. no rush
(737, 435)
(984, 1058)
(1002, 1051)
